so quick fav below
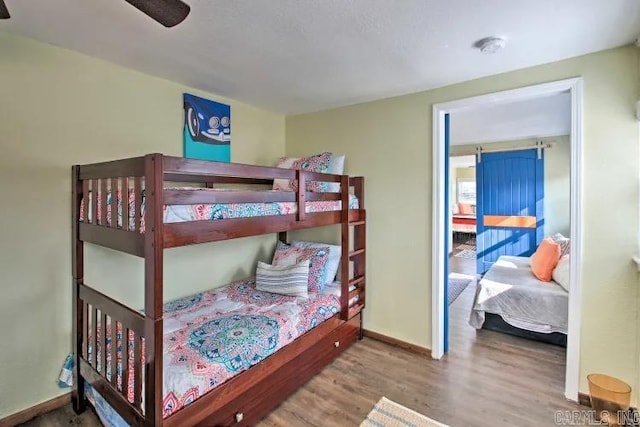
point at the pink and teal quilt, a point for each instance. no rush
(212, 336)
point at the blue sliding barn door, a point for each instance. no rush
(509, 205)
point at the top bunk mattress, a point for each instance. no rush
(214, 211)
(212, 336)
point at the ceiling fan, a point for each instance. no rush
(167, 12)
(4, 12)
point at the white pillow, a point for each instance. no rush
(336, 167)
(561, 273)
(283, 279)
(333, 260)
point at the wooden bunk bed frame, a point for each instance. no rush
(250, 395)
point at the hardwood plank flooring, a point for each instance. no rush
(494, 380)
(487, 379)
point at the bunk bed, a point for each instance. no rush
(144, 227)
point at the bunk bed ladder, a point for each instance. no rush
(353, 277)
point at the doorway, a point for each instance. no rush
(440, 213)
(463, 202)
(461, 240)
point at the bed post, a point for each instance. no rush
(344, 259)
(153, 266)
(301, 192)
(77, 272)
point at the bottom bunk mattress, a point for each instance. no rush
(510, 290)
(212, 336)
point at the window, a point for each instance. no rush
(467, 191)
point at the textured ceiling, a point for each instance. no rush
(295, 56)
(534, 118)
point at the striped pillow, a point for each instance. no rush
(564, 242)
(283, 279)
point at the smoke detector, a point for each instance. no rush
(490, 44)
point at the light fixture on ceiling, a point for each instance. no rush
(490, 44)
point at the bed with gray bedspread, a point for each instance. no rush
(510, 290)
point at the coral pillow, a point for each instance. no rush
(465, 209)
(545, 259)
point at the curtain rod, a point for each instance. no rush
(538, 146)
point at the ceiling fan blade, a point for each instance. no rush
(167, 12)
(4, 12)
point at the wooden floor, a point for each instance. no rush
(487, 379)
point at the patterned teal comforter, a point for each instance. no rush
(212, 336)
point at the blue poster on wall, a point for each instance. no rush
(207, 129)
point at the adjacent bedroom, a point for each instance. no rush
(509, 258)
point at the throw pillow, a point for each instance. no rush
(317, 257)
(316, 163)
(465, 209)
(290, 280)
(564, 242)
(545, 259)
(561, 273)
(333, 262)
(336, 167)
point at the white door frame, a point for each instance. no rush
(574, 86)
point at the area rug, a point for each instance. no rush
(466, 246)
(456, 286)
(466, 253)
(391, 414)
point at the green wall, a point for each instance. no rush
(390, 143)
(59, 108)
